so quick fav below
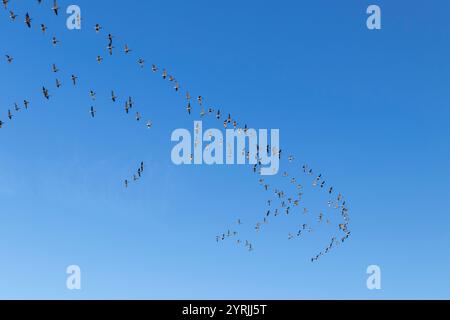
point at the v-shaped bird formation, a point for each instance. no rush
(286, 201)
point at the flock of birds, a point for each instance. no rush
(282, 202)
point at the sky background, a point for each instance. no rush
(367, 109)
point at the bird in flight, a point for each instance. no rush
(26, 104)
(45, 93)
(127, 49)
(113, 96)
(43, 28)
(149, 124)
(10, 115)
(74, 79)
(9, 59)
(13, 16)
(1, 124)
(98, 28)
(28, 20)
(5, 3)
(54, 68)
(58, 84)
(92, 94)
(99, 59)
(55, 7)
(93, 112)
(55, 41)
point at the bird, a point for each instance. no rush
(55, 7)
(99, 59)
(92, 94)
(141, 62)
(43, 28)
(127, 49)
(26, 104)
(28, 20)
(9, 59)
(55, 41)
(154, 68)
(113, 96)
(12, 15)
(5, 4)
(188, 107)
(58, 84)
(55, 68)
(149, 124)
(93, 112)
(138, 116)
(1, 124)
(45, 93)
(110, 48)
(74, 79)
(16, 107)
(98, 28)
(10, 116)
(127, 107)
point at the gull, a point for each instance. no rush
(16, 107)
(9, 58)
(97, 28)
(164, 74)
(45, 93)
(54, 68)
(200, 100)
(10, 115)
(113, 96)
(74, 79)
(110, 38)
(92, 94)
(330, 191)
(177, 86)
(141, 62)
(142, 166)
(58, 84)
(93, 112)
(171, 78)
(99, 59)
(43, 28)
(127, 107)
(138, 116)
(55, 41)
(55, 7)
(26, 103)
(130, 102)
(149, 124)
(218, 115)
(13, 16)
(28, 20)
(154, 68)
(127, 49)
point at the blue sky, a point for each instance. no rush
(367, 109)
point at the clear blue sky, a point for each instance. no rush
(369, 110)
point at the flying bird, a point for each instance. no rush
(74, 79)
(55, 7)
(9, 59)
(93, 112)
(28, 20)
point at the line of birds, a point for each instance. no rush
(136, 176)
(285, 202)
